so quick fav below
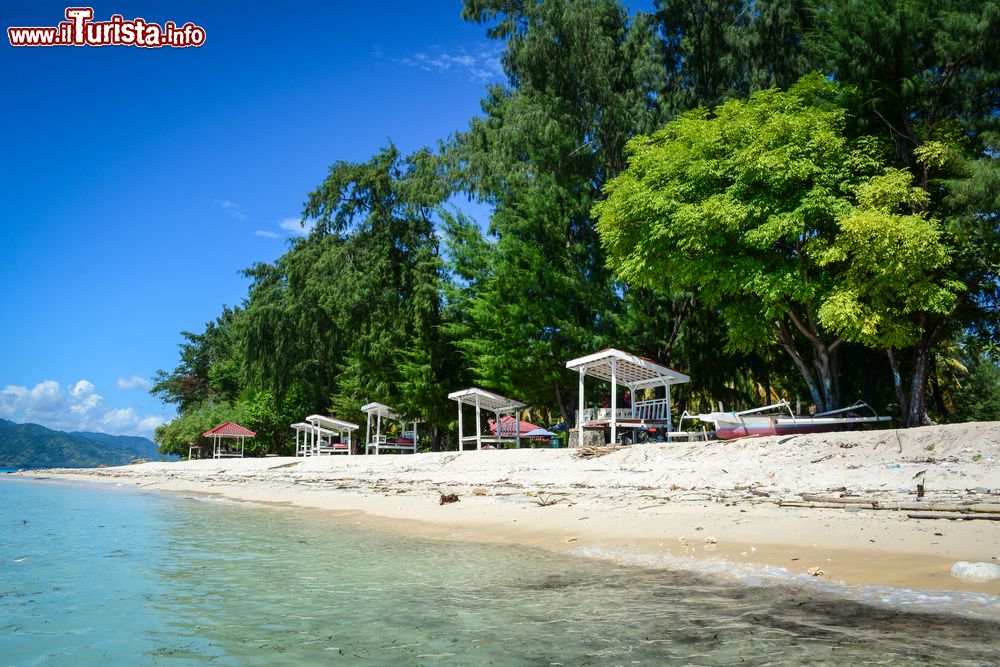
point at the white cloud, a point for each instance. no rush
(87, 405)
(75, 407)
(266, 234)
(294, 226)
(149, 424)
(82, 388)
(482, 64)
(134, 382)
(234, 210)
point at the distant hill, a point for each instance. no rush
(34, 446)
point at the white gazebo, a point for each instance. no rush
(230, 431)
(495, 403)
(315, 436)
(407, 442)
(627, 370)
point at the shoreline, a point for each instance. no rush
(622, 506)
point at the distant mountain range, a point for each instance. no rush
(34, 446)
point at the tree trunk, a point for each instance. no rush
(788, 343)
(823, 359)
(897, 382)
(916, 415)
(820, 379)
(435, 438)
(562, 404)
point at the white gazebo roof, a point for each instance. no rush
(631, 371)
(303, 426)
(331, 423)
(380, 409)
(487, 400)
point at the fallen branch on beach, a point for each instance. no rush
(595, 452)
(957, 516)
(546, 501)
(822, 502)
(449, 498)
(285, 465)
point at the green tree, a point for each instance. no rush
(581, 78)
(928, 74)
(717, 50)
(388, 285)
(206, 369)
(978, 399)
(773, 215)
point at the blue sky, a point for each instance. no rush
(139, 182)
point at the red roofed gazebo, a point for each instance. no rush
(507, 426)
(227, 431)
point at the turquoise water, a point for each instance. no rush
(102, 576)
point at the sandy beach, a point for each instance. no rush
(800, 503)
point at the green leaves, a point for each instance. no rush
(889, 269)
(769, 204)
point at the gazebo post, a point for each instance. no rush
(460, 433)
(517, 425)
(479, 426)
(614, 401)
(496, 416)
(670, 421)
(579, 415)
(368, 432)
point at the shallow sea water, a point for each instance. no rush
(100, 576)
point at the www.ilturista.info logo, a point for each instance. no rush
(79, 29)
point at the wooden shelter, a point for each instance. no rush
(631, 371)
(405, 442)
(319, 435)
(226, 433)
(495, 403)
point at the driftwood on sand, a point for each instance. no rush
(813, 501)
(956, 516)
(595, 452)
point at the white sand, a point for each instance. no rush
(658, 499)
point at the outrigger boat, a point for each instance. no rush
(730, 425)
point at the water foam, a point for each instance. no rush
(981, 606)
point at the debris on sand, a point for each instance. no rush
(449, 498)
(595, 452)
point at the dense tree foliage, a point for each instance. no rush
(785, 225)
(833, 241)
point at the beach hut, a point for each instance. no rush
(406, 442)
(495, 403)
(224, 436)
(319, 435)
(631, 371)
(309, 437)
(338, 435)
(507, 426)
